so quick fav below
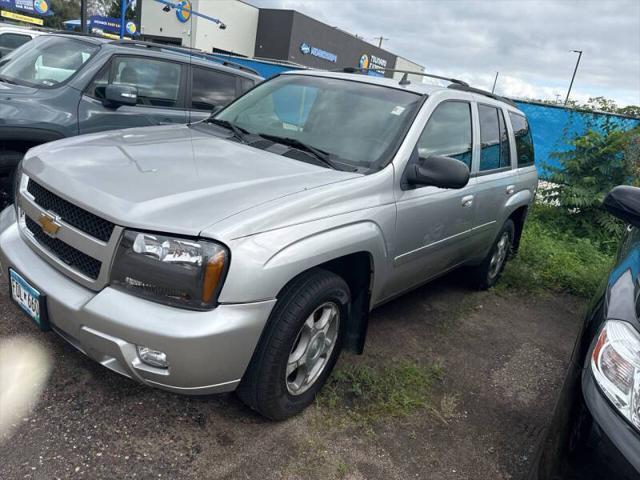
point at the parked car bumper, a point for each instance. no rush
(207, 352)
(611, 444)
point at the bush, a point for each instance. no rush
(597, 162)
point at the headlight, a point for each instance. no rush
(181, 272)
(615, 363)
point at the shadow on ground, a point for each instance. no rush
(498, 357)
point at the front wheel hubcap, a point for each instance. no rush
(313, 347)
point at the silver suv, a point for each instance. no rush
(246, 251)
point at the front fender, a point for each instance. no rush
(261, 265)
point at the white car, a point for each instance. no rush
(13, 36)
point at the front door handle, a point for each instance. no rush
(467, 201)
(510, 189)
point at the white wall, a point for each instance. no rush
(404, 64)
(240, 18)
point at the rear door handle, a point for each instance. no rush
(467, 201)
(511, 189)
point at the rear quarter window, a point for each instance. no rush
(524, 141)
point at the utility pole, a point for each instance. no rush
(579, 52)
(84, 27)
(381, 39)
(494, 82)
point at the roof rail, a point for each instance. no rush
(193, 52)
(483, 92)
(404, 80)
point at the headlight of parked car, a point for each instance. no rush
(175, 271)
(615, 363)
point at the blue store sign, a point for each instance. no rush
(307, 49)
(34, 7)
(111, 25)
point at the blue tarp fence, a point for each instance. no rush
(552, 126)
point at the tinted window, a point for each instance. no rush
(212, 89)
(494, 139)
(359, 124)
(10, 41)
(448, 132)
(246, 84)
(524, 142)
(46, 61)
(157, 81)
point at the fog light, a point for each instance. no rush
(155, 358)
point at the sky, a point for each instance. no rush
(528, 41)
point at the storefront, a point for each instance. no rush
(291, 36)
(270, 34)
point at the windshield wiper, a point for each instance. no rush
(238, 132)
(321, 155)
(6, 80)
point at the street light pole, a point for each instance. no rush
(381, 39)
(579, 52)
(83, 16)
(494, 82)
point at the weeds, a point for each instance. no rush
(550, 258)
(365, 395)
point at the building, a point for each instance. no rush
(270, 34)
(238, 37)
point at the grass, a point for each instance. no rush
(366, 395)
(550, 258)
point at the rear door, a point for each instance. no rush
(211, 88)
(496, 181)
(161, 94)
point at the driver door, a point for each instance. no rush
(160, 84)
(434, 225)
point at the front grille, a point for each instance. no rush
(78, 217)
(74, 258)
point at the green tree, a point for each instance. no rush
(63, 10)
(596, 162)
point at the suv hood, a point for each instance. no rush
(9, 89)
(170, 178)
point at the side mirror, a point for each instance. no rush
(623, 202)
(119, 95)
(442, 172)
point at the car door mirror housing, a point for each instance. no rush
(623, 202)
(119, 95)
(438, 171)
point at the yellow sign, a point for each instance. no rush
(21, 18)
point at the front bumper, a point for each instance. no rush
(207, 352)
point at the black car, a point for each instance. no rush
(61, 85)
(595, 431)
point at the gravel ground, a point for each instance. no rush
(502, 356)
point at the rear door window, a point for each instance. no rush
(524, 141)
(494, 139)
(211, 88)
(11, 41)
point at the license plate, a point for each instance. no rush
(29, 299)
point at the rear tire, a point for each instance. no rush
(486, 275)
(299, 347)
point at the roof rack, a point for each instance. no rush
(404, 80)
(193, 52)
(483, 92)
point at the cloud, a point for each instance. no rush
(528, 41)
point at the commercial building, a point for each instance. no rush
(271, 34)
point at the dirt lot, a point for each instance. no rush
(473, 374)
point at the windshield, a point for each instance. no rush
(357, 123)
(46, 61)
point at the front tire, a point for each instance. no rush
(299, 347)
(486, 275)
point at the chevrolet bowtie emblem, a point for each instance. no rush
(49, 224)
